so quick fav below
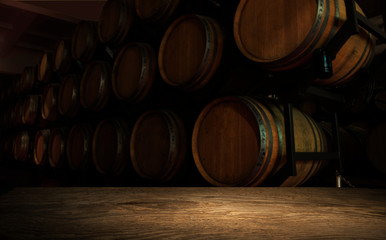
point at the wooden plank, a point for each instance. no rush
(193, 213)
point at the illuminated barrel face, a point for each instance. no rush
(282, 35)
(239, 141)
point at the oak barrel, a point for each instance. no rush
(41, 147)
(282, 35)
(45, 68)
(240, 141)
(95, 86)
(110, 146)
(115, 21)
(134, 72)
(155, 11)
(158, 145)
(28, 79)
(190, 52)
(84, 41)
(78, 148)
(49, 104)
(68, 96)
(21, 146)
(57, 147)
(31, 109)
(62, 58)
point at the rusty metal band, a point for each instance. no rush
(209, 42)
(145, 69)
(264, 130)
(117, 165)
(169, 118)
(102, 85)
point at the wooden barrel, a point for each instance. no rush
(18, 116)
(41, 147)
(49, 104)
(84, 41)
(63, 59)
(68, 96)
(155, 11)
(375, 147)
(158, 145)
(190, 52)
(115, 21)
(240, 141)
(31, 109)
(45, 68)
(134, 72)
(95, 86)
(28, 79)
(78, 147)
(282, 36)
(110, 146)
(57, 147)
(21, 146)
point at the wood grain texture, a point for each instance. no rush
(239, 141)
(115, 21)
(155, 11)
(193, 213)
(158, 145)
(68, 96)
(62, 59)
(95, 86)
(84, 41)
(281, 36)
(190, 52)
(134, 72)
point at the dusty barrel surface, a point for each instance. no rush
(78, 148)
(158, 145)
(110, 146)
(41, 147)
(95, 86)
(240, 141)
(190, 52)
(57, 147)
(155, 11)
(84, 41)
(115, 21)
(21, 146)
(68, 96)
(134, 72)
(282, 36)
(49, 104)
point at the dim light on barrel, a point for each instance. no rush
(240, 141)
(282, 35)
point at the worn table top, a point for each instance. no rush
(193, 213)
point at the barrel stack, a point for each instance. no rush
(190, 90)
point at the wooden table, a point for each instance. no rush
(193, 213)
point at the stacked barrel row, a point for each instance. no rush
(155, 85)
